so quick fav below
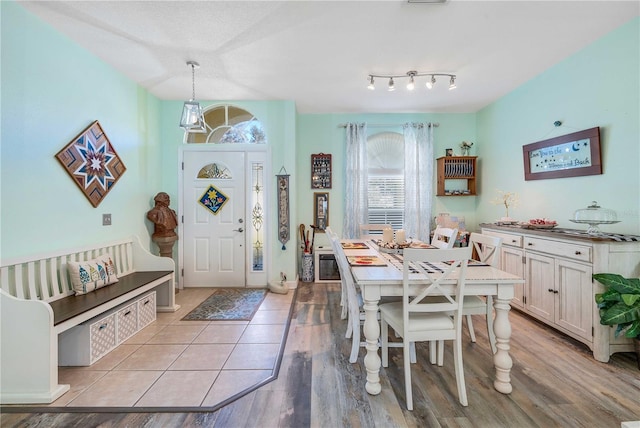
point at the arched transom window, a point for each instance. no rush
(229, 125)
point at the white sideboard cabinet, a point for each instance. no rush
(557, 266)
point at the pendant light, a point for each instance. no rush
(192, 119)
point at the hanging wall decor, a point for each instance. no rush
(283, 208)
(321, 171)
(213, 199)
(92, 163)
(571, 155)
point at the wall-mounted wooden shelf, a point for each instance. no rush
(460, 168)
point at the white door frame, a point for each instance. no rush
(252, 152)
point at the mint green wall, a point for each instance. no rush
(322, 133)
(598, 86)
(51, 90)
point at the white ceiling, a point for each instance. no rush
(319, 54)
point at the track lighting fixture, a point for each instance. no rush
(412, 83)
(192, 119)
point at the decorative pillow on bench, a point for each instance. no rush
(92, 274)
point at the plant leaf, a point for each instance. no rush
(619, 283)
(619, 314)
(633, 330)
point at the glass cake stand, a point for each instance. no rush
(593, 225)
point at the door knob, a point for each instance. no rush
(238, 230)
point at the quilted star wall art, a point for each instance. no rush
(92, 163)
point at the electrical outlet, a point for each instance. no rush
(106, 219)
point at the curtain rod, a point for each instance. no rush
(386, 125)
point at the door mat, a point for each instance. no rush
(229, 304)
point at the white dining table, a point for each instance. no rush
(381, 281)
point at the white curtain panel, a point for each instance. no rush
(418, 178)
(356, 203)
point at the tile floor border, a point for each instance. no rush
(167, 409)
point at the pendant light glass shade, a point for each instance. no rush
(192, 119)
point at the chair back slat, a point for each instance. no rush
(440, 269)
(487, 248)
(444, 237)
(372, 231)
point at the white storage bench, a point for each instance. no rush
(38, 307)
(86, 343)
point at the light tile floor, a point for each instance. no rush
(174, 363)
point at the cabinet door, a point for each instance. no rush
(574, 305)
(540, 285)
(511, 261)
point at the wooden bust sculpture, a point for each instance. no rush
(165, 220)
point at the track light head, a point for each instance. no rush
(412, 84)
(371, 86)
(431, 82)
(452, 83)
(392, 86)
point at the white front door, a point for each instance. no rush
(214, 219)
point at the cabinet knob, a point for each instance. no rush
(555, 291)
(530, 244)
(513, 241)
(550, 290)
(578, 253)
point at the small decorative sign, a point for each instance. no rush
(570, 155)
(283, 208)
(92, 163)
(213, 199)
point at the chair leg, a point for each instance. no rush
(354, 321)
(407, 374)
(432, 351)
(459, 368)
(490, 332)
(470, 327)
(384, 336)
(343, 303)
(349, 332)
(440, 353)
(412, 351)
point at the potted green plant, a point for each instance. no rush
(620, 305)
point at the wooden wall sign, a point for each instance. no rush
(570, 155)
(92, 163)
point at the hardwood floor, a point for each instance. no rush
(556, 383)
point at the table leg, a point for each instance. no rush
(501, 359)
(372, 361)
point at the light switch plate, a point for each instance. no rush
(106, 219)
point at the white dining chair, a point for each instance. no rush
(372, 231)
(334, 240)
(486, 249)
(444, 237)
(415, 319)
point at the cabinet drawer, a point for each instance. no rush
(146, 310)
(102, 337)
(127, 322)
(562, 249)
(507, 238)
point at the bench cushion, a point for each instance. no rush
(71, 306)
(92, 274)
